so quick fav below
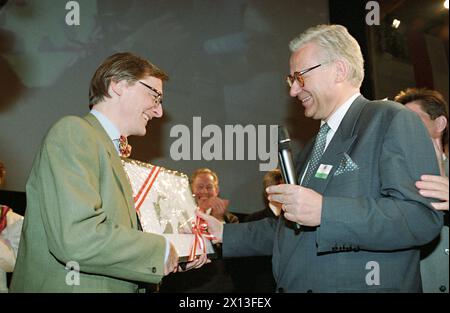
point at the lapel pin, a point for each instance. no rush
(323, 171)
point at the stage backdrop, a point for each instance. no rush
(227, 62)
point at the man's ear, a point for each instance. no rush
(217, 189)
(117, 87)
(440, 123)
(341, 71)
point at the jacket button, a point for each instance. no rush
(153, 270)
(442, 288)
(280, 290)
(309, 291)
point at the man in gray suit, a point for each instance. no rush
(355, 222)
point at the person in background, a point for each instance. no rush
(10, 228)
(216, 277)
(271, 209)
(81, 232)
(432, 108)
(205, 187)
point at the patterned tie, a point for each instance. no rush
(316, 155)
(124, 147)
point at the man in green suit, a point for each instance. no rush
(81, 232)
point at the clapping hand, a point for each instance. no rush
(217, 205)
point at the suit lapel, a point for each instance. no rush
(302, 160)
(341, 143)
(116, 165)
(332, 156)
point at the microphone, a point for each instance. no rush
(285, 159)
(285, 156)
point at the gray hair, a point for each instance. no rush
(336, 44)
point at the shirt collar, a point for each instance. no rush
(336, 118)
(111, 129)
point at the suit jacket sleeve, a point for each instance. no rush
(249, 239)
(399, 218)
(76, 223)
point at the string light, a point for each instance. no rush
(395, 23)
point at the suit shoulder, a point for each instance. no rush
(386, 106)
(70, 122)
(387, 110)
(70, 128)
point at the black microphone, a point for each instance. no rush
(285, 156)
(285, 159)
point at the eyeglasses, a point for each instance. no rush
(290, 79)
(159, 95)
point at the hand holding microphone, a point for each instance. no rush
(300, 204)
(285, 158)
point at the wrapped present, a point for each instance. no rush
(165, 205)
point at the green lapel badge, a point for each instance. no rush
(323, 171)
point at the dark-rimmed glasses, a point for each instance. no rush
(298, 76)
(159, 95)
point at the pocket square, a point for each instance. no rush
(346, 165)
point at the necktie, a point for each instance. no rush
(124, 147)
(316, 155)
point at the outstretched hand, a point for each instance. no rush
(198, 262)
(171, 265)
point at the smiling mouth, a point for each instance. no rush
(305, 99)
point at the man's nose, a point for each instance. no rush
(295, 89)
(157, 111)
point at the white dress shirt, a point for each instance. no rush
(111, 129)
